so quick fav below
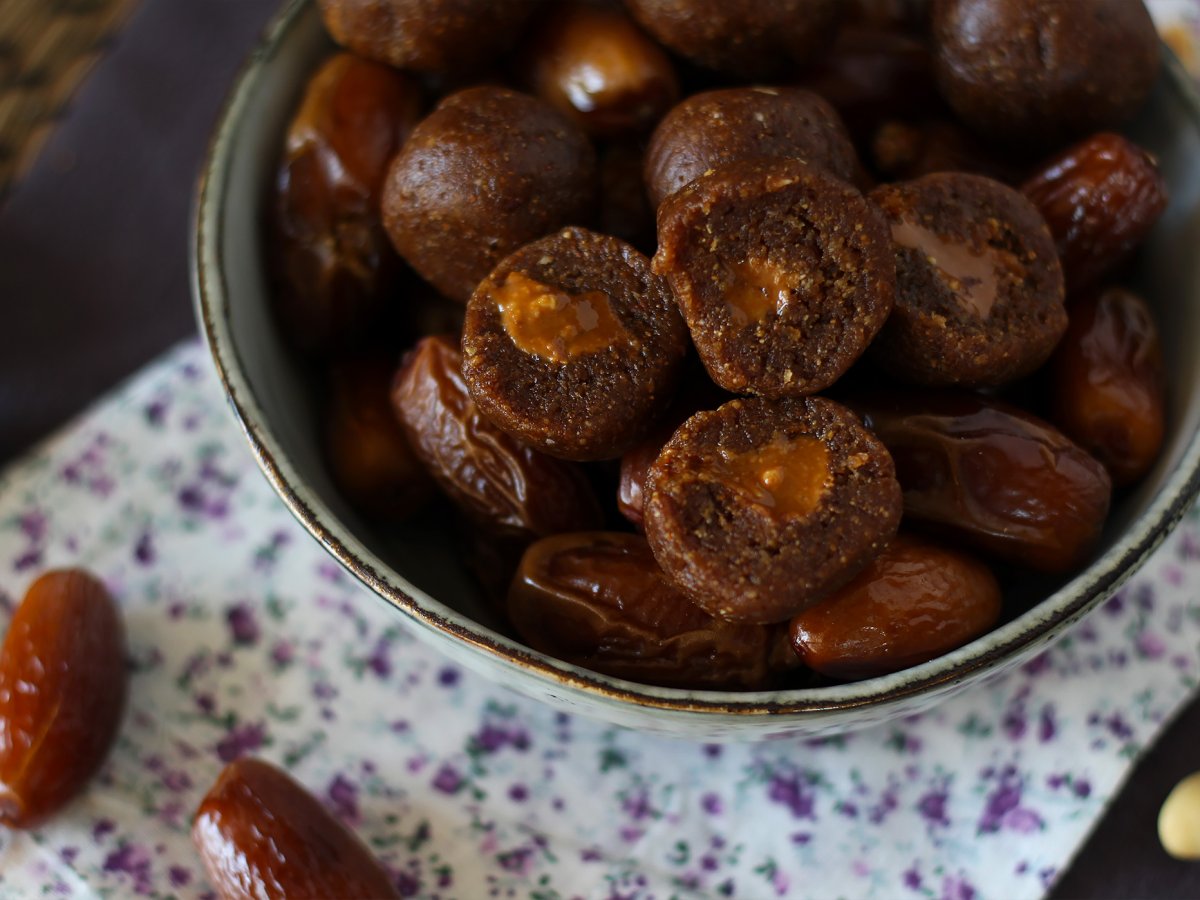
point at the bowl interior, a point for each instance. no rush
(418, 568)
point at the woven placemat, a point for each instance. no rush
(46, 48)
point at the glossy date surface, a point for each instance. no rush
(995, 477)
(1109, 385)
(262, 836)
(505, 487)
(599, 600)
(1100, 199)
(912, 603)
(63, 685)
(333, 265)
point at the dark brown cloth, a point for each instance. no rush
(94, 283)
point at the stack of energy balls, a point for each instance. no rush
(753, 344)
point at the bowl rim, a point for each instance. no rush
(1011, 641)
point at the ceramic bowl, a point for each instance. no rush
(417, 571)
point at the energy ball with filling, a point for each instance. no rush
(716, 127)
(750, 38)
(760, 508)
(783, 273)
(488, 170)
(573, 345)
(426, 35)
(979, 289)
(1042, 72)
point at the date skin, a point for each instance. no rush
(369, 456)
(63, 685)
(913, 602)
(598, 600)
(595, 65)
(1108, 384)
(333, 265)
(1100, 199)
(992, 476)
(508, 489)
(262, 836)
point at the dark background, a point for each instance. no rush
(94, 283)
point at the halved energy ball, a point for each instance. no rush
(783, 273)
(979, 288)
(573, 345)
(760, 508)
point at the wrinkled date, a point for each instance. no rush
(1099, 198)
(596, 66)
(369, 455)
(598, 600)
(1109, 385)
(505, 487)
(993, 476)
(63, 683)
(261, 836)
(915, 601)
(332, 261)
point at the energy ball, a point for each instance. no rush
(783, 273)
(716, 127)
(979, 288)
(426, 35)
(573, 345)
(750, 38)
(1042, 72)
(760, 508)
(488, 170)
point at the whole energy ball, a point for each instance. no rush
(1041, 72)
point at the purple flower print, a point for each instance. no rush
(132, 860)
(243, 626)
(711, 804)
(957, 889)
(933, 808)
(448, 780)
(343, 799)
(792, 790)
(143, 550)
(241, 740)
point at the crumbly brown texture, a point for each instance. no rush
(716, 127)
(488, 170)
(426, 35)
(1042, 72)
(750, 38)
(830, 245)
(734, 557)
(933, 337)
(594, 405)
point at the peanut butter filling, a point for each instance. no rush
(788, 477)
(972, 276)
(552, 324)
(758, 288)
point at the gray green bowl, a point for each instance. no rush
(418, 571)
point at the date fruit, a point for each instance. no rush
(63, 684)
(995, 477)
(369, 456)
(262, 836)
(595, 65)
(1108, 383)
(1100, 198)
(505, 487)
(598, 600)
(332, 262)
(913, 602)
